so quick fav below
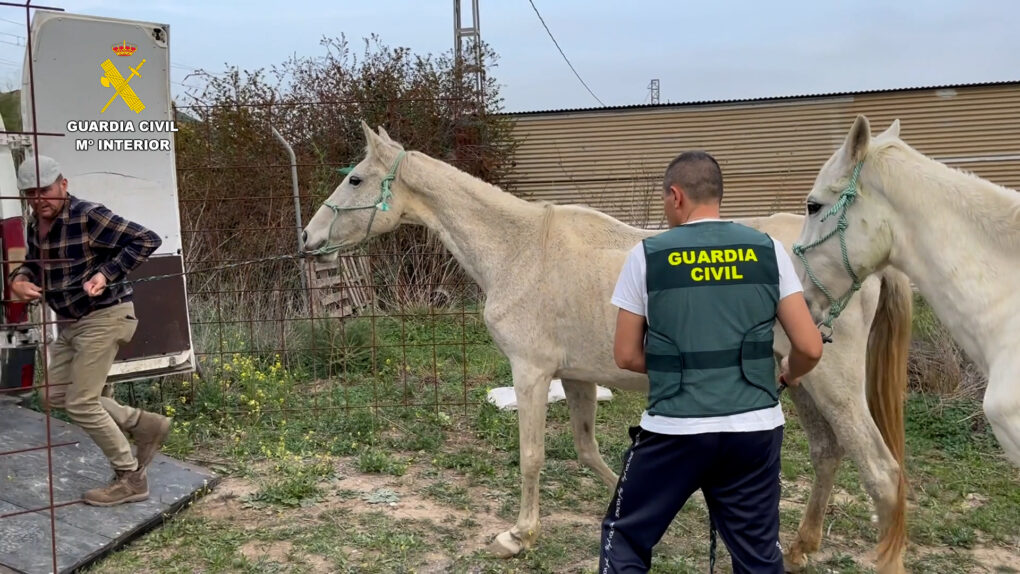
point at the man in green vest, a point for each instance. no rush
(698, 304)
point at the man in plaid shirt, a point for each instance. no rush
(76, 249)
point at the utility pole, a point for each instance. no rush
(462, 33)
(653, 89)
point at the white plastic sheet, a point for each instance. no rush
(506, 399)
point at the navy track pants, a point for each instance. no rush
(737, 472)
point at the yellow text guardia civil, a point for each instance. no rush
(710, 256)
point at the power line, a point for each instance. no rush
(564, 55)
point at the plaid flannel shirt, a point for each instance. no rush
(89, 238)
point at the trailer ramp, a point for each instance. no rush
(84, 533)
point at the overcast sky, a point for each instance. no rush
(698, 50)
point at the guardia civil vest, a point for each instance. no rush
(713, 289)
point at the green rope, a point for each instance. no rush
(385, 195)
(846, 199)
(183, 273)
(712, 544)
(381, 204)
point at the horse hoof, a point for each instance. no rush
(895, 567)
(506, 545)
(794, 562)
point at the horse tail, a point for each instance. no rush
(888, 348)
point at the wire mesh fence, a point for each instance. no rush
(295, 356)
(352, 320)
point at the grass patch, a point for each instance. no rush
(294, 483)
(386, 469)
(376, 461)
(449, 494)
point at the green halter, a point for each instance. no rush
(841, 206)
(381, 204)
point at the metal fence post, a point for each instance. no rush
(297, 207)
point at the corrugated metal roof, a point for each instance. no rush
(760, 99)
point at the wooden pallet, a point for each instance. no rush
(342, 287)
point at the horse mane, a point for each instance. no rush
(600, 231)
(992, 208)
(545, 230)
(466, 180)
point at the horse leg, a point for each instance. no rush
(826, 455)
(868, 421)
(1002, 407)
(857, 433)
(582, 404)
(531, 385)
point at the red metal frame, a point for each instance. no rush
(12, 233)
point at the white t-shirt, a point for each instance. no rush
(631, 294)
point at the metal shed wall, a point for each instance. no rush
(612, 159)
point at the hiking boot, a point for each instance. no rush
(149, 434)
(127, 486)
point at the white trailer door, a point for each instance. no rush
(105, 85)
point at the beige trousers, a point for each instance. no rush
(82, 355)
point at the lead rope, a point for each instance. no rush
(713, 542)
(382, 204)
(836, 305)
(184, 273)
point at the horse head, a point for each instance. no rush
(365, 204)
(847, 234)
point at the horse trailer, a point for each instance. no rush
(95, 96)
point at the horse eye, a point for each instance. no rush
(355, 180)
(813, 207)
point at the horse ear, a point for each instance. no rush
(373, 141)
(386, 137)
(856, 144)
(893, 130)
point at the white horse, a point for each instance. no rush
(878, 202)
(548, 273)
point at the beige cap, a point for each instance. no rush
(49, 170)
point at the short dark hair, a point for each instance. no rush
(698, 174)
